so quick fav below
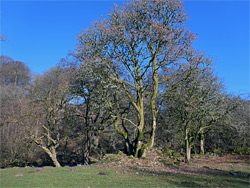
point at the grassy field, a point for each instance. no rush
(215, 172)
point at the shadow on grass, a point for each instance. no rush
(188, 176)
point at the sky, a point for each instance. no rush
(40, 33)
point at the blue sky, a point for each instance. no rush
(40, 33)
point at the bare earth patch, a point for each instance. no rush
(18, 175)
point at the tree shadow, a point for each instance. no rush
(188, 176)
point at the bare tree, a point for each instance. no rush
(134, 44)
(13, 72)
(50, 96)
(198, 106)
(3, 38)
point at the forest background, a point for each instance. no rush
(112, 93)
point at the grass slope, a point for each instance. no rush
(125, 172)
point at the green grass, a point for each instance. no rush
(81, 177)
(206, 175)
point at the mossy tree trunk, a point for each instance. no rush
(188, 146)
(49, 148)
(188, 152)
(52, 154)
(154, 110)
(202, 143)
(133, 147)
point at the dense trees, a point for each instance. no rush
(15, 75)
(135, 81)
(197, 106)
(90, 109)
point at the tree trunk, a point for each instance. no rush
(128, 147)
(138, 144)
(188, 147)
(87, 150)
(52, 154)
(188, 152)
(139, 138)
(202, 142)
(150, 143)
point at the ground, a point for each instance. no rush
(123, 171)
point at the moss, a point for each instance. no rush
(182, 154)
(242, 150)
(218, 152)
(112, 157)
(140, 136)
(170, 156)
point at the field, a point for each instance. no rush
(227, 171)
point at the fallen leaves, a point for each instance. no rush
(156, 164)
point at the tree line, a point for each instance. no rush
(133, 83)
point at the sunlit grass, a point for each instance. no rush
(196, 175)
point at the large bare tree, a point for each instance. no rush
(134, 44)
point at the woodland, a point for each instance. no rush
(135, 82)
